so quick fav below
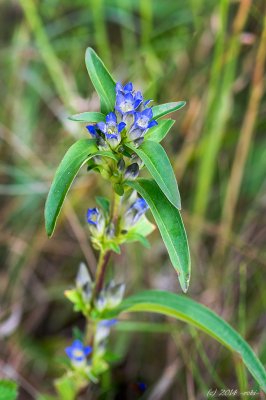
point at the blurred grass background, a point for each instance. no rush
(207, 52)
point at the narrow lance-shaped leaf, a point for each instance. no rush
(171, 227)
(185, 309)
(91, 117)
(77, 155)
(158, 132)
(167, 108)
(101, 80)
(159, 166)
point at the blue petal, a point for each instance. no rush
(87, 350)
(111, 136)
(147, 102)
(102, 126)
(77, 344)
(121, 126)
(68, 351)
(148, 113)
(128, 87)
(111, 117)
(118, 87)
(152, 123)
(91, 130)
(137, 103)
(107, 323)
(119, 98)
(129, 97)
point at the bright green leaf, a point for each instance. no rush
(171, 226)
(8, 390)
(101, 80)
(91, 117)
(185, 309)
(77, 155)
(158, 132)
(155, 158)
(167, 108)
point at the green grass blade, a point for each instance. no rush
(171, 227)
(101, 80)
(185, 309)
(167, 108)
(159, 166)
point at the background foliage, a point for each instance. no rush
(212, 55)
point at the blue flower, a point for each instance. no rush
(111, 129)
(143, 119)
(127, 100)
(77, 352)
(93, 216)
(135, 212)
(96, 221)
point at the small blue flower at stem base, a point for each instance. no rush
(77, 352)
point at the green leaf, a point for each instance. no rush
(91, 117)
(155, 158)
(187, 310)
(8, 390)
(101, 80)
(171, 226)
(158, 132)
(167, 108)
(76, 156)
(137, 237)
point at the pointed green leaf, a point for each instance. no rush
(167, 108)
(101, 80)
(157, 162)
(158, 132)
(171, 226)
(91, 117)
(77, 155)
(187, 310)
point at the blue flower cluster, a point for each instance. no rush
(129, 122)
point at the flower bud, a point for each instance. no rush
(114, 294)
(83, 276)
(121, 165)
(132, 171)
(134, 213)
(96, 221)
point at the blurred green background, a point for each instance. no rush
(211, 54)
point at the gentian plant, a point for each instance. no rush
(119, 143)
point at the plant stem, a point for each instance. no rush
(101, 268)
